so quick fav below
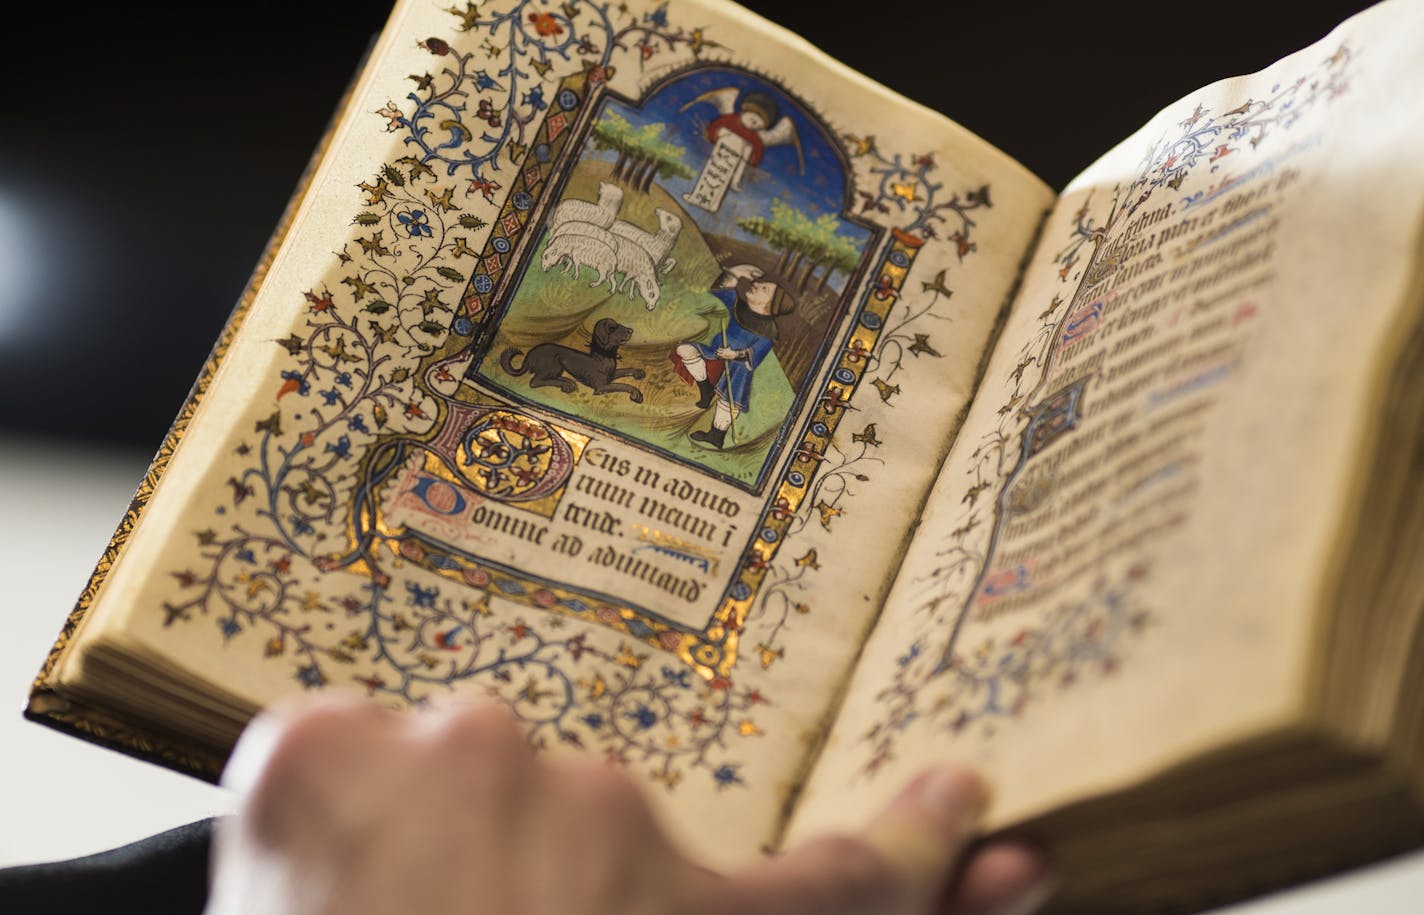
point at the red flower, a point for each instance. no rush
(545, 24)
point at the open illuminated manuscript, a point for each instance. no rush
(742, 423)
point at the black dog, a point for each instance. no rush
(596, 368)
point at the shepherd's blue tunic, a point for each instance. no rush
(737, 374)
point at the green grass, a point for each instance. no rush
(550, 307)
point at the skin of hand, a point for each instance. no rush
(726, 352)
(349, 808)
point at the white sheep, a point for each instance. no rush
(582, 244)
(600, 214)
(657, 245)
(633, 262)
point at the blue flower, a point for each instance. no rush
(311, 676)
(421, 597)
(677, 676)
(331, 396)
(416, 223)
(643, 717)
(299, 526)
(593, 720)
(658, 17)
(342, 448)
(534, 98)
(357, 423)
(344, 379)
(246, 556)
(726, 775)
(302, 386)
(229, 628)
(483, 81)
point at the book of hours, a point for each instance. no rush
(732, 418)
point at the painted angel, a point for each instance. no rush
(747, 123)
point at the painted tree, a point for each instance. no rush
(805, 245)
(642, 152)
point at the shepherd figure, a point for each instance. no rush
(722, 368)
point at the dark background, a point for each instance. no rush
(147, 150)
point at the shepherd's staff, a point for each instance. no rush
(731, 405)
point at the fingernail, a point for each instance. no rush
(956, 795)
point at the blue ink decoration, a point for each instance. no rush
(643, 717)
(302, 385)
(421, 597)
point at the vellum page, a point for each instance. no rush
(1122, 562)
(598, 373)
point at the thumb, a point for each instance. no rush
(899, 865)
(927, 827)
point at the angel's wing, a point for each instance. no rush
(724, 99)
(781, 133)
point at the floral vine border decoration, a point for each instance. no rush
(360, 372)
(1001, 680)
(902, 185)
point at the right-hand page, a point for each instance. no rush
(1125, 556)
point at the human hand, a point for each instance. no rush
(745, 271)
(726, 352)
(348, 808)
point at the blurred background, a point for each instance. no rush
(148, 151)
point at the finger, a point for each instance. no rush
(1001, 878)
(459, 798)
(594, 843)
(321, 718)
(289, 758)
(899, 865)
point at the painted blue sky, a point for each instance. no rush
(819, 190)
